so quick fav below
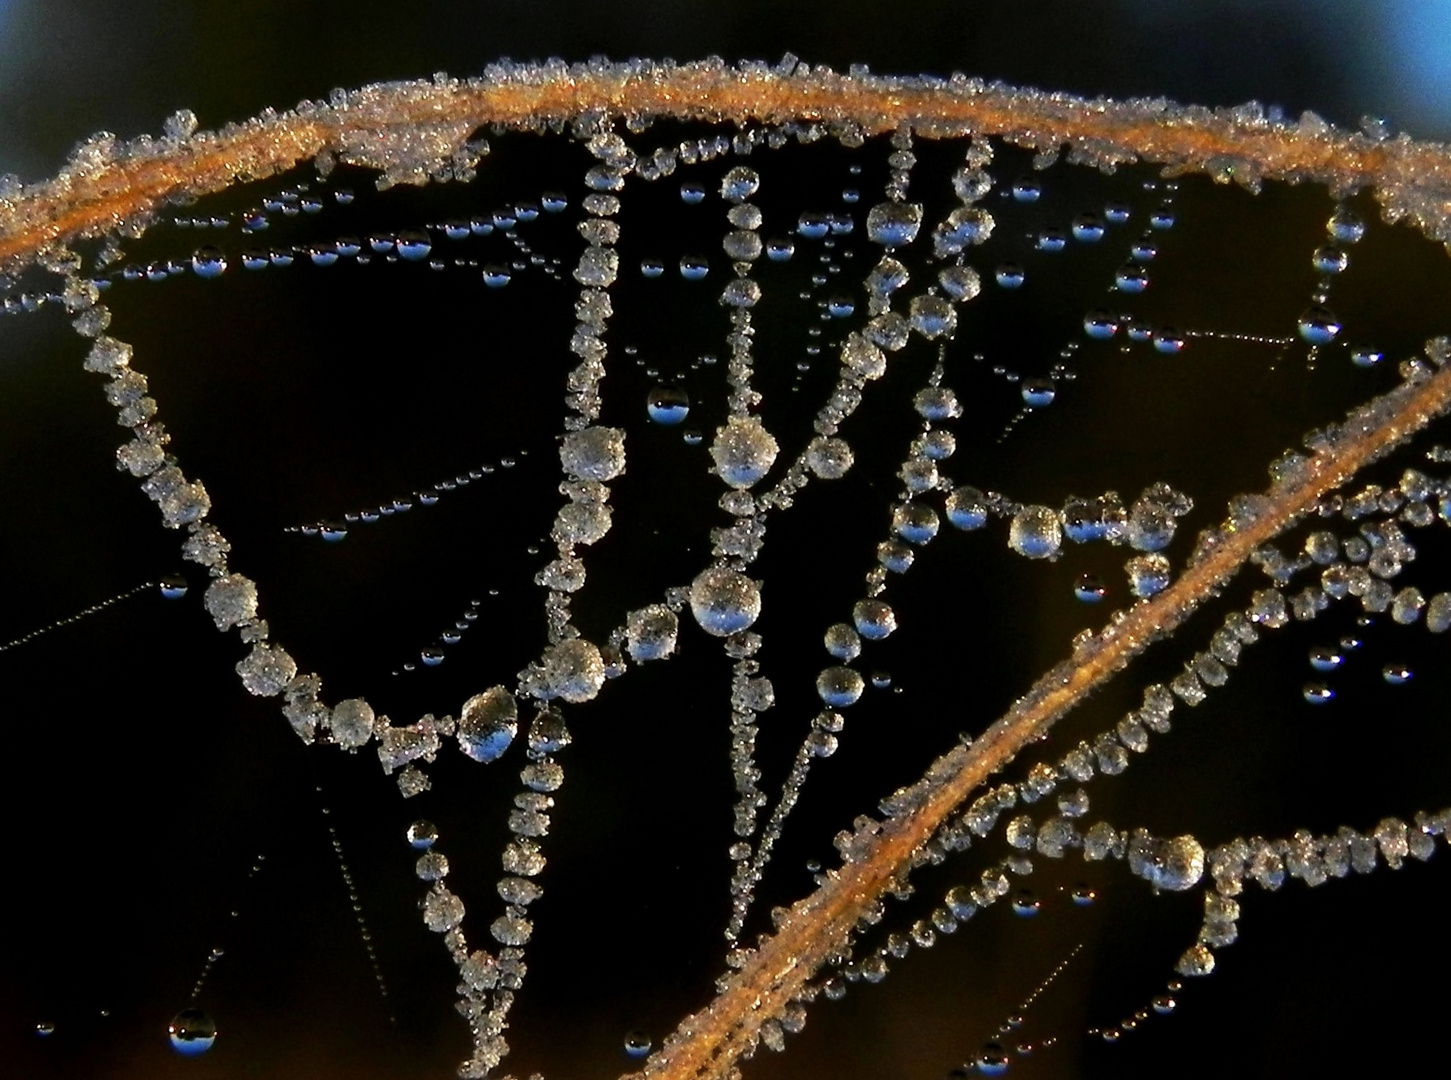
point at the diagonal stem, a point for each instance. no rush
(709, 1043)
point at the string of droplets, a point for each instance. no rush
(179, 499)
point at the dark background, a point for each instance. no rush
(144, 781)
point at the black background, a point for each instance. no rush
(144, 780)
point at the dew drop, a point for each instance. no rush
(1164, 1004)
(668, 405)
(1009, 275)
(1025, 904)
(1088, 228)
(813, 225)
(1167, 340)
(1083, 896)
(496, 276)
(413, 245)
(192, 1032)
(1038, 393)
(651, 267)
(1396, 674)
(780, 248)
(45, 1029)
(173, 586)
(1026, 189)
(208, 262)
(1089, 589)
(1318, 326)
(693, 267)
(332, 531)
(1131, 278)
(422, 834)
(1325, 659)
(993, 1060)
(1162, 218)
(1100, 325)
(1051, 239)
(1116, 213)
(1365, 356)
(1317, 693)
(692, 193)
(637, 1044)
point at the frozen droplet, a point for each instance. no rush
(431, 866)
(208, 262)
(1009, 275)
(914, 522)
(743, 451)
(874, 619)
(1318, 326)
(1148, 575)
(488, 725)
(894, 224)
(637, 1044)
(724, 602)
(1089, 589)
(1345, 226)
(830, 459)
(843, 642)
(967, 508)
(422, 834)
(192, 1032)
(594, 453)
(1329, 259)
(1317, 693)
(650, 633)
(173, 586)
(442, 910)
(839, 686)
(1036, 532)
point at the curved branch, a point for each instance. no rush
(415, 130)
(707, 1044)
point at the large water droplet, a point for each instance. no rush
(1318, 326)
(637, 1044)
(668, 405)
(1036, 532)
(192, 1032)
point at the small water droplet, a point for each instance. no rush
(1325, 659)
(1396, 674)
(1038, 393)
(1083, 895)
(993, 1060)
(693, 267)
(637, 1044)
(1317, 693)
(1089, 589)
(422, 834)
(173, 586)
(1009, 275)
(1027, 189)
(1025, 904)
